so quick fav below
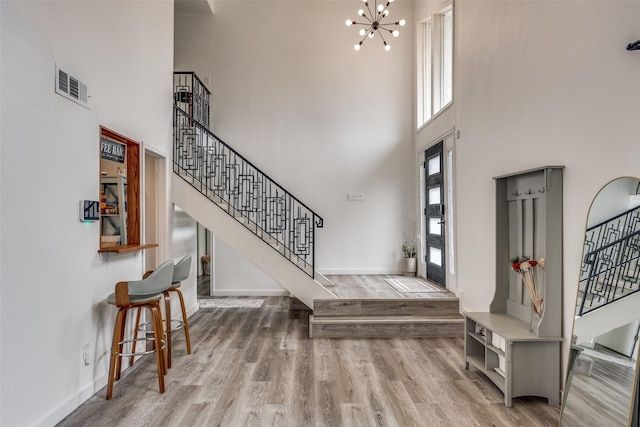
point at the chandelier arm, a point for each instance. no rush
(388, 24)
(383, 40)
(366, 24)
(369, 9)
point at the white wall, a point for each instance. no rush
(290, 92)
(54, 284)
(235, 275)
(611, 200)
(539, 83)
(184, 242)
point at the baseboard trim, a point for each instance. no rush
(354, 271)
(250, 293)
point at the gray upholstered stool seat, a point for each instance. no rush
(111, 299)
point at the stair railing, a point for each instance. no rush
(234, 183)
(610, 269)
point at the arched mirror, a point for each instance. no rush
(602, 364)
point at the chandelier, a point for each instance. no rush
(373, 23)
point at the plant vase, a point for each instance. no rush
(536, 315)
(409, 266)
(534, 323)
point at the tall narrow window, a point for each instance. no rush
(447, 57)
(451, 236)
(435, 65)
(425, 79)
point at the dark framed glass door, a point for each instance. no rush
(435, 255)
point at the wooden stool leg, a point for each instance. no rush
(135, 336)
(157, 333)
(115, 345)
(167, 313)
(123, 323)
(184, 319)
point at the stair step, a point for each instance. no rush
(385, 327)
(432, 307)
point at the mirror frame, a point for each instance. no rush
(633, 416)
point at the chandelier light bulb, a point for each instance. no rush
(349, 22)
(395, 33)
(387, 47)
(361, 12)
(362, 32)
(402, 22)
(357, 46)
(371, 34)
(390, 1)
(386, 12)
(380, 8)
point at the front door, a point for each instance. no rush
(435, 214)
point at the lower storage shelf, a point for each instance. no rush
(523, 365)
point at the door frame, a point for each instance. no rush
(449, 180)
(160, 201)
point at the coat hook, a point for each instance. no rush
(516, 193)
(541, 190)
(528, 192)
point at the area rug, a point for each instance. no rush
(411, 285)
(231, 303)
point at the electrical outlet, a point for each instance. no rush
(86, 353)
(355, 196)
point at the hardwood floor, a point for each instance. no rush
(375, 287)
(257, 367)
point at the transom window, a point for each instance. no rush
(435, 65)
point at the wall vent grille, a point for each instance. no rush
(71, 88)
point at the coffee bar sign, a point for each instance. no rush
(111, 150)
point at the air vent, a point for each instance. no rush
(71, 88)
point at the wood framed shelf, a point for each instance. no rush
(121, 249)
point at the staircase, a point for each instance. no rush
(238, 202)
(275, 231)
(386, 318)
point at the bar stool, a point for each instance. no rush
(181, 272)
(145, 293)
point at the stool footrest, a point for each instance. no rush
(140, 353)
(143, 326)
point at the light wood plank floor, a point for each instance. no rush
(257, 367)
(353, 287)
(375, 287)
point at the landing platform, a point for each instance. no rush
(376, 287)
(385, 306)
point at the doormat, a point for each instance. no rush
(231, 303)
(412, 285)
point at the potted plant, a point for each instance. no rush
(409, 265)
